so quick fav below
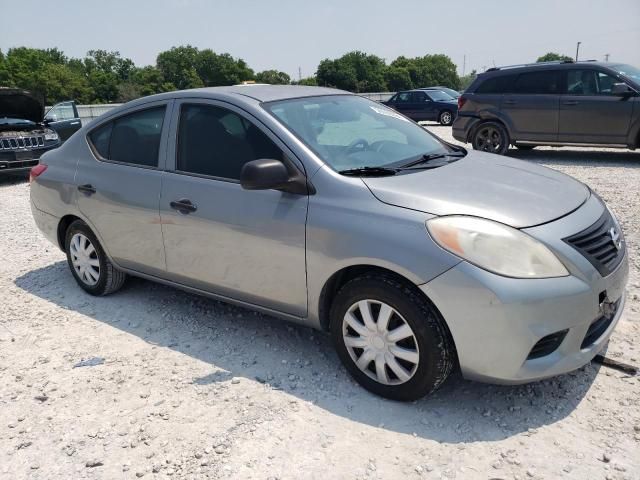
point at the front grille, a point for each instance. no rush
(602, 244)
(599, 326)
(547, 345)
(14, 143)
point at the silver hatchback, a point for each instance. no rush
(339, 213)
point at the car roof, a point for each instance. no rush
(564, 65)
(255, 92)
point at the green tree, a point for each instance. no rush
(554, 57)
(398, 78)
(178, 66)
(149, 80)
(273, 77)
(308, 81)
(354, 71)
(429, 70)
(221, 69)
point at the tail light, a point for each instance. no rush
(461, 102)
(36, 171)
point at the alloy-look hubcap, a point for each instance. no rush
(380, 342)
(84, 259)
(446, 118)
(489, 140)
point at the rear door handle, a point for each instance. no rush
(183, 205)
(75, 123)
(87, 189)
(570, 102)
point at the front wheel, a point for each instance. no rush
(491, 137)
(89, 265)
(390, 338)
(445, 118)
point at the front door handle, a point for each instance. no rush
(87, 189)
(75, 123)
(570, 102)
(183, 205)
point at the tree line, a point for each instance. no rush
(107, 77)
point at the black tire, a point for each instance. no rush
(525, 148)
(434, 344)
(491, 137)
(110, 279)
(445, 118)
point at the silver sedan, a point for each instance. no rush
(327, 209)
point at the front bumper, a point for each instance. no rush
(496, 321)
(13, 161)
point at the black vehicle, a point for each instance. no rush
(552, 103)
(26, 133)
(421, 105)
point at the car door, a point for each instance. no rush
(119, 187)
(422, 107)
(590, 113)
(64, 119)
(247, 245)
(402, 103)
(530, 106)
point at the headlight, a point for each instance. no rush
(495, 247)
(51, 136)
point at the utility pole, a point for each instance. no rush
(299, 73)
(577, 50)
(606, 57)
(464, 64)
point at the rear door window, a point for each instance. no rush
(418, 97)
(404, 97)
(540, 83)
(133, 139)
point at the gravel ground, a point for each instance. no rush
(193, 388)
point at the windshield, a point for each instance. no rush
(348, 131)
(629, 71)
(439, 95)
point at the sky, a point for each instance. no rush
(293, 35)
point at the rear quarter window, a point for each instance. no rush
(499, 84)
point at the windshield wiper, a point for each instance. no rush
(369, 171)
(432, 156)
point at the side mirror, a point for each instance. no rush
(264, 174)
(621, 89)
(49, 119)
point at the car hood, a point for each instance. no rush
(513, 192)
(20, 104)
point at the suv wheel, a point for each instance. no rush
(89, 265)
(445, 118)
(491, 137)
(390, 338)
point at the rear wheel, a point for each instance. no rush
(491, 137)
(390, 338)
(445, 118)
(89, 265)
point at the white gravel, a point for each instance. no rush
(193, 388)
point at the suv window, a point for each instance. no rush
(418, 97)
(132, 138)
(499, 84)
(545, 82)
(403, 97)
(217, 142)
(61, 112)
(589, 82)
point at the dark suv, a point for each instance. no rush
(553, 103)
(26, 132)
(421, 105)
